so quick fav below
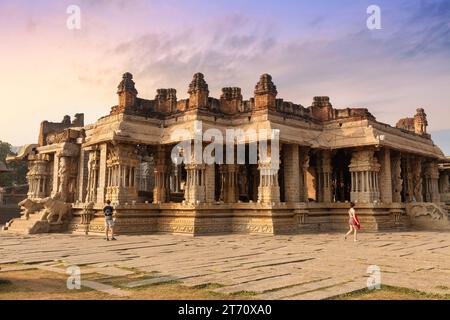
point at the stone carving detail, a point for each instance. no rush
(431, 176)
(166, 100)
(431, 210)
(39, 177)
(53, 207)
(127, 94)
(269, 165)
(265, 93)
(417, 179)
(231, 101)
(364, 169)
(56, 132)
(28, 207)
(243, 182)
(265, 85)
(41, 215)
(322, 109)
(198, 84)
(87, 215)
(420, 122)
(397, 181)
(198, 92)
(122, 166)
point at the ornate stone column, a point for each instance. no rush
(93, 169)
(161, 191)
(444, 186)
(385, 176)
(122, 164)
(291, 172)
(102, 174)
(364, 169)
(39, 177)
(432, 182)
(416, 167)
(324, 177)
(210, 183)
(396, 176)
(83, 175)
(229, 192)
(269, 164)
(55, 178)
(195, 183)
(304, 166)
(408, 185)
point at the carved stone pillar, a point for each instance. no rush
(291, 173)
(93, 175)
(269, 164)
(417, 179)
(122, 166)
(229, 192)
(444, 186)
(304, 166)
(385, 182)
(63, 175)
(364, 169)
(396, 176)
(39, 177)
(210, 183)
(408, 185)
(102, 174)
(194, 192)
(55, 178)
(83, 175)
(254, 182)
(432, 182)
(324, 177)
(161, 191)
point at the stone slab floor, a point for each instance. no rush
(312, 266)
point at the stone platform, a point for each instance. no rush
(239, 218)
(315, 266)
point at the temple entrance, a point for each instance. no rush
(341, 181)
(248, 179)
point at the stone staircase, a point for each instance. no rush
(33, 225)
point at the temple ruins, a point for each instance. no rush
(327, 157)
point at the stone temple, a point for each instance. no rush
(327, 157)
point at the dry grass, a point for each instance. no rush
(392, 293)
(44, 285)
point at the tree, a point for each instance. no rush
(18, 175)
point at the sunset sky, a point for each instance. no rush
(309, 47)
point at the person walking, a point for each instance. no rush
(353, 223)
(109, 221)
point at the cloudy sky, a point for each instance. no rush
(310, 48)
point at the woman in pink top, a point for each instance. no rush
(353, 223)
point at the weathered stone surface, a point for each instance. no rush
(287, 267)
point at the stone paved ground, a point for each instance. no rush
(315, 266)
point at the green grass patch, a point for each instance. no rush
(209, 286)
(388, 291)
(4, 282)
(245, 294)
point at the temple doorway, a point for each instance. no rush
(341, 181)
